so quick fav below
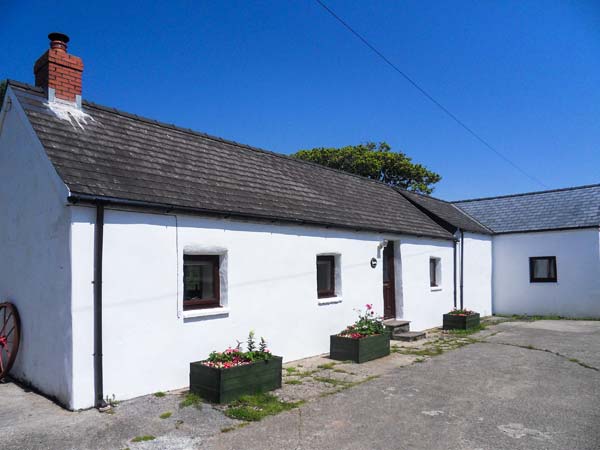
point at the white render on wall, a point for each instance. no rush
(270, 280)
(477, 281)
(424, 305)
(577, 291)
(34, 254)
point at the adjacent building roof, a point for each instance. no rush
(577, 207)
(114, 155)
(445, 213)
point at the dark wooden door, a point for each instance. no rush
(389, 285)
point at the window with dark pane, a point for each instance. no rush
(325, 276)
(200, 281)
(434, 272)
(542, 269)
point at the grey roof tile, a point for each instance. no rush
(447, 214)
(122, 156)
(576, 207)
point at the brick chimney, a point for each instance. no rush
(58, 72)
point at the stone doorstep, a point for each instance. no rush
(408, 336)
(397, 326)
(392, 323)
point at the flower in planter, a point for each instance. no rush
(368, 324)
(462, 312)
(233, 357)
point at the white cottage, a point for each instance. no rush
(133, 247)
(546, 256)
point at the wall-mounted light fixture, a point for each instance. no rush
(382, 244)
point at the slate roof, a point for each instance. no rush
(122, 156)
(577, 207)
(445, 213)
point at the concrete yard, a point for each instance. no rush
(521, 385)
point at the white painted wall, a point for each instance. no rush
(34, 255)
(577, 292)
(423, 305)
(271, 288)
(477, 283)
(270, 283)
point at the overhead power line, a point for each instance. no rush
(428, 95)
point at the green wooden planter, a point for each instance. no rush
(225, 385)
(359, 350)
(454, 322)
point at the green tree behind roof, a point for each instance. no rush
(377, 162)
(3, 85)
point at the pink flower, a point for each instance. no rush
(369, 307)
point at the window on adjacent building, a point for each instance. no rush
(435, 272)
(201, 281)
(326, 276)
(542, 269)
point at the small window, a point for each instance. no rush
(435, 272)
(326, 276)
(201, 281)
(542, 269)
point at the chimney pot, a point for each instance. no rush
(58, 41)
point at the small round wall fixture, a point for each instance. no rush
(373, 262)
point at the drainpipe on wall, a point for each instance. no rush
(98, 244)
(454, 241)
(462, 266)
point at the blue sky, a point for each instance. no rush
(284, 75)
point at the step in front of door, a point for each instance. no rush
(408, 336)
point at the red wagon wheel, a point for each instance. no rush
(10, 332)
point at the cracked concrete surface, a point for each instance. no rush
(482, 396)
(492, 393)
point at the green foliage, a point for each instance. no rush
(327, 366)
(377, 162)
(251, 345)
(159, 394)
(367, 324)
(191, 399)
(527, 318)
(147, 437)
(256, 407)
(462, 312)
(166, 415)
(3, 85)
(472, 330)
(235, 356)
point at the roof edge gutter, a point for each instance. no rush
(89, 199)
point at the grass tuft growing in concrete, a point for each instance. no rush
(191, 399)
(527, 318)
(327, 366)
(166, 415)
(146, 437)
(477, 329)
(159, 394)
(258, 406)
